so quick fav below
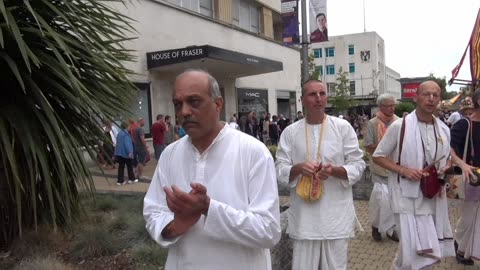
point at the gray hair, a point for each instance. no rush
(381, 98)
(212, 82)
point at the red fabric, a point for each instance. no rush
(158, 132)
(132, 131)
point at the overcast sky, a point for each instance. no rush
(421, 36)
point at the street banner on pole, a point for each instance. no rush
(290, 22)
(318, 21)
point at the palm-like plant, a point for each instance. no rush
(61, 67)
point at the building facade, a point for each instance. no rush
(392, 83)
(362, 56)
(237, 41)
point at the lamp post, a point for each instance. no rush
(305, 73)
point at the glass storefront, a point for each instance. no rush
(141, 107)
(252, 100)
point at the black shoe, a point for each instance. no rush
(462, 260)
(393, 236)
(376, 234)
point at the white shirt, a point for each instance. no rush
(454, 117)
(333, 215)
(113, 135)
(389, 147)
(234, 125)
(243, 219)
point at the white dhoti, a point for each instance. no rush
(467, 233)
(380, 213)
(424, 240)
(320, 254)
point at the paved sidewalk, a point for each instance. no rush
(364, 252)
(106, 181)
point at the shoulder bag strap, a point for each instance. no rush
(467, 136)
(402, 134)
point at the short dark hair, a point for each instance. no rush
(476, 96)
(124, 125)
(321, 14)
(159, 116)
(307, 82)
(167, 117)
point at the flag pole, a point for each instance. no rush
(305, 73)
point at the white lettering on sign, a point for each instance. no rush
(257, 95)
(177, 54)
(161, 56)
(192, 52)
(409, 90)
(252, 60)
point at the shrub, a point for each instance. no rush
(150, 254)
(94, 242)
(38, 243)
(136, 231)
(48, 263)
(119, 223)
(106, 203)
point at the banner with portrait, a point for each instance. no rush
(291, 34)
(318, 21)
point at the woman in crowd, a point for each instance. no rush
(467, 237)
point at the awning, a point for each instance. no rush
(217, 61)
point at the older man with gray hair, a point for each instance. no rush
(380, 213)
(213, 200)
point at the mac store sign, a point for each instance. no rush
(252, 100)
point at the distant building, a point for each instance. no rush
(362, 55)
(238, 41)
(409, 87)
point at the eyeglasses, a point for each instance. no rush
(388, 105)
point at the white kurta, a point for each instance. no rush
(243, 220)
(425, 231)
(333, 215)
(379, 210)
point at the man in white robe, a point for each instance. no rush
(423, 224)
(380, 213)
(213, 200)
(320, 229)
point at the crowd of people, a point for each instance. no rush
(215, 191)
(267, 128)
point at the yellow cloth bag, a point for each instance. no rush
(310, 188)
